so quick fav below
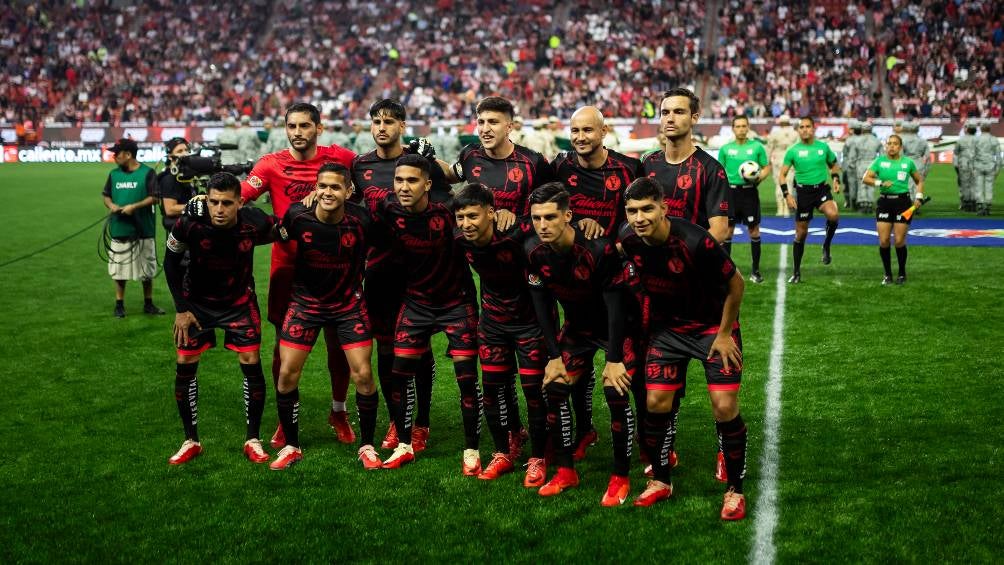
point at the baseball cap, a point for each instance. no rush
(245, 119)
(125, 144)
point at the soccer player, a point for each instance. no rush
(130, 194)
(216, 290)
(695, 292)
(694, 182)
(331, 242)
(588, 279)
(373, 177)
(508, 330)
(595, 178)
(811, 159)
(439, 296)
(892, 173)
(511, 171)
(287, 176)
(745, 195)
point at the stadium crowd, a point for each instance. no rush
(947, 60)
(160, 61)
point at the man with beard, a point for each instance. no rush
(287, 176)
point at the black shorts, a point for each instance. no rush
(670, 352)
(579, 348)
(500, 346)
(746, 205)
(890, 208)
(810, 197)
(383, 291)
(241, 327)
(301, 326)
(417, 323)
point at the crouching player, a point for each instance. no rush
(327, 294)
(216, 290)
(695, 293)
(587, 277)
(508, 331)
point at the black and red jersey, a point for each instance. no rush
(685, 278)
(373, 178)
(695, 190)
(434, 265)
(511, 179)
(330, 258)
(501, 268)
(597, 194)
(220, 273)
(576, 278)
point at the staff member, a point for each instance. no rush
(811, 159)
(174, 194)
(892, 173)
(130, 193)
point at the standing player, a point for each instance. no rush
(587, 278)
(287, 176)
(217, 291)
(892, 173)
(745, 195)
(440, 296)
(373, 177)
(508, 331)
(511, 172)
(695, 292)
(778, 141)
(694, 182)
(595, 178)
(811, 160)
(331, 240)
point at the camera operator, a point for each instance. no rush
(174, 194)
(130, 193)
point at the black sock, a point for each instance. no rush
(147, 302)
(657, 444)
(798, 249)
(727, 246)
(366, 408)
(755, 251)
(186, 394)
(288, 404)
(886, 254)
(621, 429)
(120, 303)
(674, 419)
(497, 409)
(831, 230)
(254, 398)
(512, 400)
(640, 408)
(470, 401)
(582, 403)
(536, 413)
(559, 421)
(403, 396)
(385, 368)
(734, 448)
(901, 260)
(425, 376)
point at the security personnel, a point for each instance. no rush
(780, 139)
(848, 157)
(986, 163)
(869, 147)
(916, 149)
(230, 138)
(247, 141)
(965, 150)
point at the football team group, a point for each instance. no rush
(382, 246)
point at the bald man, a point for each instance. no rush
(595, 178)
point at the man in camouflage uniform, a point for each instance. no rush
(230, 137)
(780, 139)
(848, 157)
(965, 149)
(869, 147)
(915, 148)
(986, 163)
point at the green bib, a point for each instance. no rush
(129, 188)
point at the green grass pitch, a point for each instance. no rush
(889, 440)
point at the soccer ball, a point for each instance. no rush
(750, 171)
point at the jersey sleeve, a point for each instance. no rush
(761, 156)
(263, 223)
(177, 238)
(152, 187)
(545, 172)
(789, 157)
(714, 264)
(107, 190)
(831, 157)
(717, 201)
(257, 182)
